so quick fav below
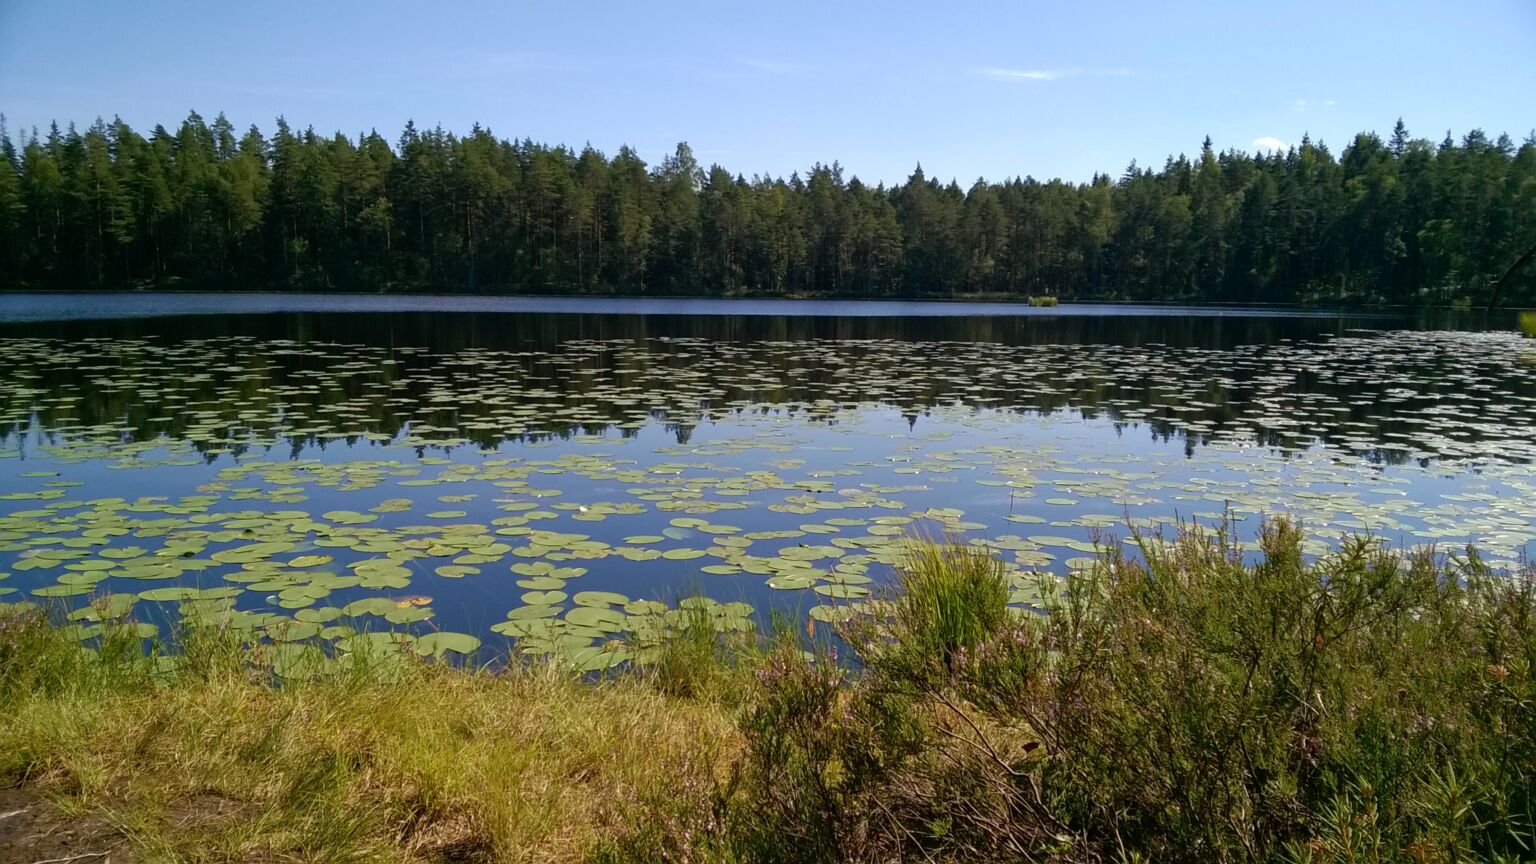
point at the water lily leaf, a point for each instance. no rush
(349, 517)
(107, 607)
(536, 611)
(596, 659)
(645, 607)
(379, 606)
(599, 599)
(832, 614)
(438, 643)
(842, 591)
(407, 614)
(309, 561)
(605, 619)
(544, 598)
(682, 554)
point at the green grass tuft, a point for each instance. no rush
(950, 599)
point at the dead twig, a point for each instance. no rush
(80, 857)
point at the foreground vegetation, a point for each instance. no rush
(1401, 220)
(1370, 706)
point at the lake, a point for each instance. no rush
(562, 471)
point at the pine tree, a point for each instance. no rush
(1405, 221)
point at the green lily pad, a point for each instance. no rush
(441, 642)
(544, 598)
(792, 581)
(599, 599)
(607, 620)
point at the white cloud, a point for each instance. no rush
(787, 69)
(317, 93)
(1269, 142)
(507, 65)
(1019, 75)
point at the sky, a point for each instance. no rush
(967, 89)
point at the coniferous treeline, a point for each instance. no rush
(1403, 220)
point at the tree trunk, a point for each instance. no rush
(1498, 286)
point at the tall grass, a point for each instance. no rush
(952, 599)
(1182, 705)
(212, 762)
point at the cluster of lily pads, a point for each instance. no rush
(358, 497)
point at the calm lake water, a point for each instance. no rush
(544, 469)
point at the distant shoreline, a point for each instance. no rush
(955, 300)
(24, 307)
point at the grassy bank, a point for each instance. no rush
(1366, 707)
(419, 762)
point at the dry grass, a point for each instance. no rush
(437, 764)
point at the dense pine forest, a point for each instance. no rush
(1401, 221)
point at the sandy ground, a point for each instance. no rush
(33, 831)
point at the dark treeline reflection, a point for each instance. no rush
(226, 383)
(1400, 220)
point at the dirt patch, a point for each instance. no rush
(32, 830)
(203, 812)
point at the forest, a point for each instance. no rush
(1400, 220)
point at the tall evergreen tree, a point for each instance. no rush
(1403, 220)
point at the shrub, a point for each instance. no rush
(1183, 707)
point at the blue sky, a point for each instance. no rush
(969, 89)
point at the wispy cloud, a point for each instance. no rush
(1269, 142)
(1302, 105)
(787, 69)
(996, 73)
(509, 65)
(1019, 74)
(308, 93)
